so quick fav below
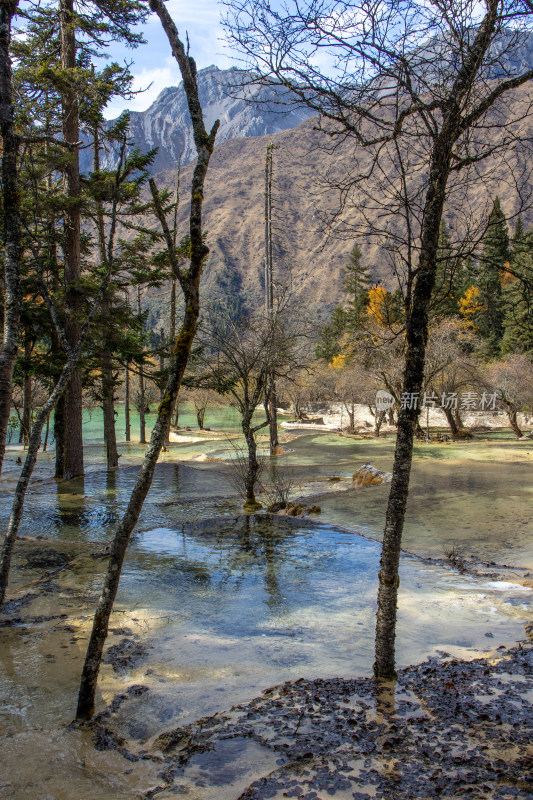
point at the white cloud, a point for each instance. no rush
(150, 82)
(153, 62)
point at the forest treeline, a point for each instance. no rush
(78, 230)
(79, 250)
(480, 333)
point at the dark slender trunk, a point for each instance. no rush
(273, 418)
(161, 368)
(190, 282)
(200, 416)
(59, 417)
(162, 362)
(513, 422)
(11, 227)
(59, 436)
(33, 448)
(142, 418)
(27, 392)
(458, 420)
(450, 419)
(108, 407)
(108, 379)
(378, 421)
(351, 417)
(253, 465)
(453, 124)
(392, 421)
(127, 405)
(46, 433)
(416, 335)
(71, 244)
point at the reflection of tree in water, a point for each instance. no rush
(245, 545)
(71, 506)
(75, 510)
(176, 481)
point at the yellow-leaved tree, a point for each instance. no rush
(470, 307)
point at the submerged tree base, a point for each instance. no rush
(447, 728)
(252, 505)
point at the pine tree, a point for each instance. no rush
(494, 258)
(355, 283)
(329, 343)
(518, 295)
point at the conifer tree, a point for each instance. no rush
(518, 295)
(494, 257)
(355, 283)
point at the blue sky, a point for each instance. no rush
(154, 63)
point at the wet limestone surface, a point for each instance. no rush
(211, 613)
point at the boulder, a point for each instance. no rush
(293, 508)
(368, 475)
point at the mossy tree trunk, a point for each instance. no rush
(190, 284)
(11, 225)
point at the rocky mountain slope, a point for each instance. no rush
(305, 255)
(166, 123)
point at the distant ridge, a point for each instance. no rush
(166, 124)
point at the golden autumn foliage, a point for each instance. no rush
(377, 304)
(470, 306)
(506, 277)
(338, 362)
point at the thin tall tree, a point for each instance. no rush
(11, 224)
(418, 88)
(189, 280)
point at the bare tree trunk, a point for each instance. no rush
(253, 465)
(46, 433)
(351, 417)
(457, 417)
(27, 470)
(108, 379)
(513, 422)
(127, 405)
(142, 417)
(416, 335)
(59, 436)
(162, 367)
(190, 282)
(27, 392)
(162, 359)
(378, 421)
(35, 441)
(177, 413)
(11, 226)
(108, 407)
(416, 338)
(71, 246)
(200, 416)
(450, 419)
(273, 418)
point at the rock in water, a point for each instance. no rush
(368, 475)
